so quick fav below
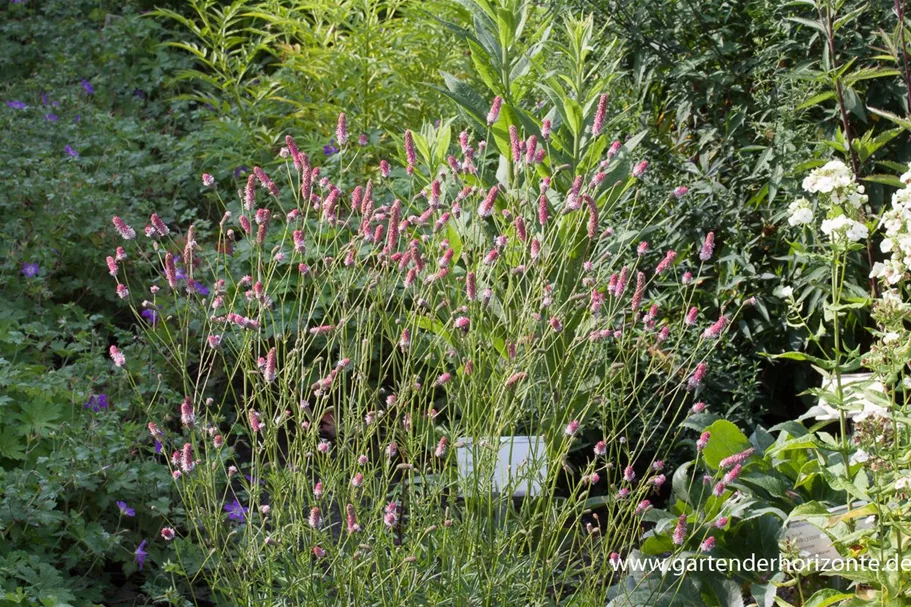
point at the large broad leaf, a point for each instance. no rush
(827, 597)
(726, 440)
(902, 122)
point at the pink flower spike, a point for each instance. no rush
(680, 531)
(494, 112)
(707, 545)
(717, 328)
(598, 123)
(514, 143)
(703, 441)
(341, 130)
(708, 247)
(125, 231)
(117, 357)
(410, 154)
(270, 368)
(572, 427)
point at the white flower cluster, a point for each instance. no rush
(897, 241)
(843, 194)
(800, 212)
(836, 180)
(841, 227)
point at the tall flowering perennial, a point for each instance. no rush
(896, 243)
(345, 338)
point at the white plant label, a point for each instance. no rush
(521, 463)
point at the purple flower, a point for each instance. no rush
(96, 402)
(329, 149)
(141, 553)
(126, 510)
(30, 270)
(150, 315)
(44, 98)
(235, 511)
(158, 446)
(141, 94)
(88, 87)
(240, 171)
(197, 287)
(51, 117)
(16, 105)
(77, 118)
(71, 152)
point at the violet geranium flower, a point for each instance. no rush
(30, 270)
(126, 510)
(141, 553)
(236, 512)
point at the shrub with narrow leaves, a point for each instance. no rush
(344, 339)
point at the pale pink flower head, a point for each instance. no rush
(494, 112)
(341, 130)
(514, 143)
(708, 247)
(703, 440)
(441, 447)
(669, 258)
(410, 154)
(716, 329)
(117, 356)
(187, 415)
(687, 278)
(545, 129)
(167, 534)
(680, 531)
(698, 407)
(613, 150)
(600, 448)
(187, 462)
(572, 428)
(315, 518)
(698, 375)
(269, 371)
(680, 191)
(208, 180)
(707, 545)
(736, 459)
(255, 419)
(639, 169)
(598, 123)
(691, 316)
(125, 231)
